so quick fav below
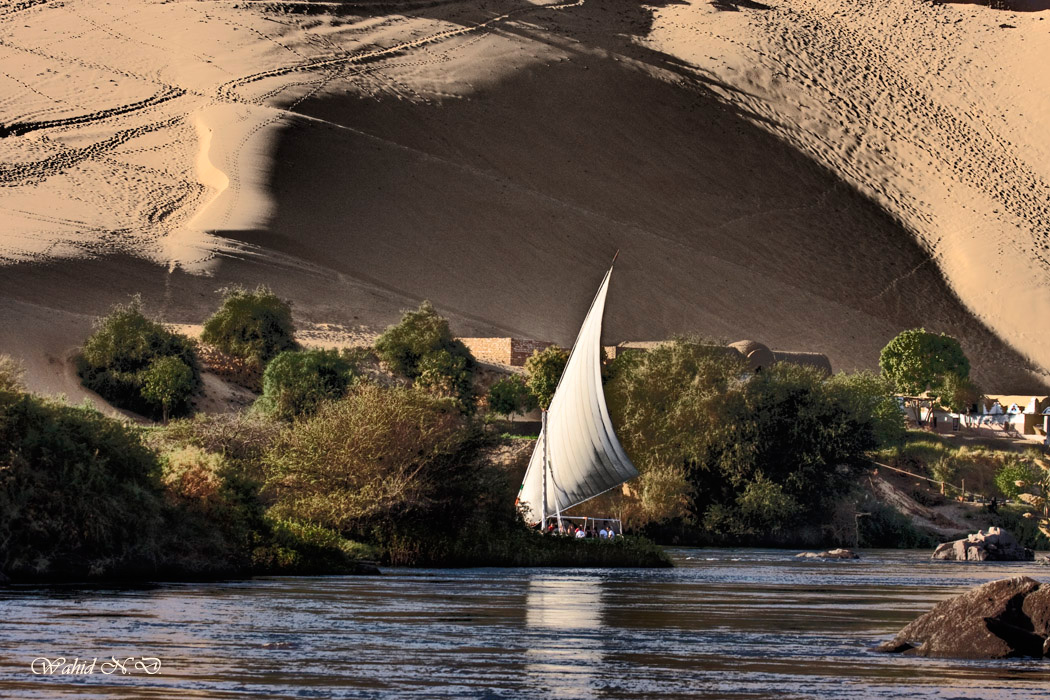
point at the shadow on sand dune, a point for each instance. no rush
(505, 206)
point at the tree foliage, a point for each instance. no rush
(959, 394)
(543, 370)
(760, 452)
(511, 395)
(78, 491)
(168, 381)
(917, 360)
(376, 457)
(421, 347)
(12, 374)
(1017, 469)
(253, 325)
(295, 383)
(126, 350)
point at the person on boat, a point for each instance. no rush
(603, 533)
(580, 533)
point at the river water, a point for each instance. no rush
(722, 624)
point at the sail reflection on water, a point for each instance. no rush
(564, 634)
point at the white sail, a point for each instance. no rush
(584, 456)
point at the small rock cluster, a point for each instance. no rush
(995, 544)
(830, 554)
(1000, 619)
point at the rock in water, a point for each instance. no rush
(1004, 618)
(830, 554)
(995, 544)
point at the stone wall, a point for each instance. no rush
(504, 351)
(522, 349)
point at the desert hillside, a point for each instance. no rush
(816, 175)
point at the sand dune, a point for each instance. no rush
(815, 175)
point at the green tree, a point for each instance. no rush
(959, 394)
(121, 351)
(12, 374)
(510, 395)
(254, 325)
(869, 400)
(168, 381)
(421, 347)
(295, 383)
(761, 452)
(917, 360)
(1017, 469)
(543, 370)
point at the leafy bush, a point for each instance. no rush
(868, 398)
(945, 469)
(543, 371)
(305, 548)
(762, 453)
(1016, 469)
(12, 374)
(255, 326)
(885, 527)
(78, 492)
(296, 382)
(421, 347)
(168, 381)
(510, 395)
(136, 363)
(375, 458)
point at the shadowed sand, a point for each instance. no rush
(766, 171)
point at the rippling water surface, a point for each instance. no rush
(723, 624)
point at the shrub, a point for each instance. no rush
(762, 453)
(378, 456)
(511, 395)
(543, 371)
(296, 382)
(305, 548)
(78, 492)
(243, 439)
(421, 347)
(168, 381)
(255, 326)
(885, 527)
(124, 352)
(868, 398)
(1016, 469)
(12, 375)
(945, 469)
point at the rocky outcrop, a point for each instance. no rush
(1005, 618)
(995, 544)
(830, 554)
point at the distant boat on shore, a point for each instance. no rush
(577, 455)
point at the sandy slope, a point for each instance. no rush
(816, 175)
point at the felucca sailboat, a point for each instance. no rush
(577, 455)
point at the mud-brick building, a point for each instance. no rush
(504, 351)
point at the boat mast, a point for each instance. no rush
(543, 431)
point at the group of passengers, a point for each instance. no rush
(570, 530)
